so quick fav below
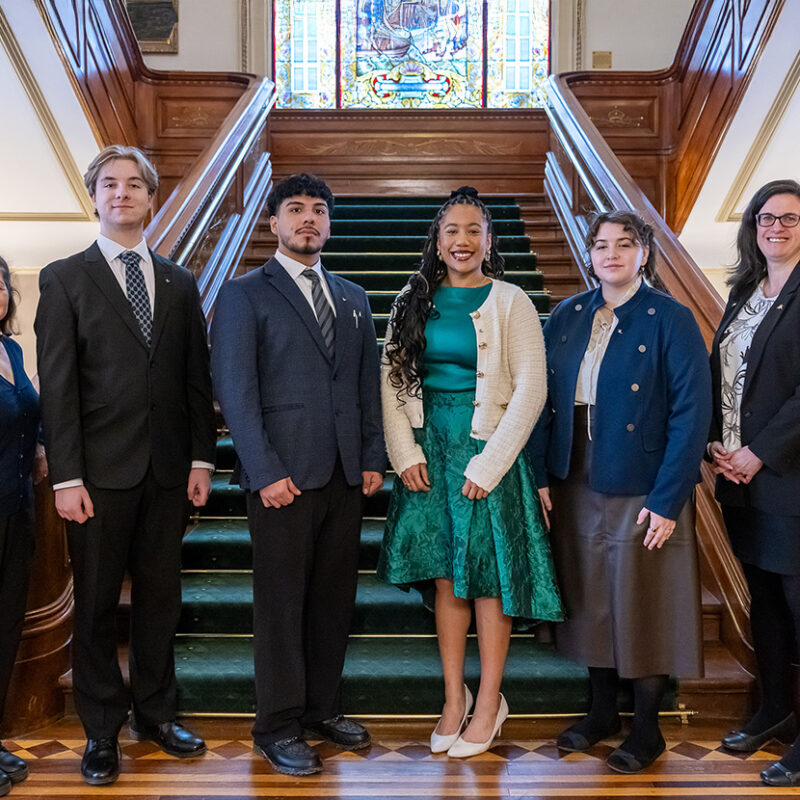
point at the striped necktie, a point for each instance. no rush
(322, 308)
(137, 293)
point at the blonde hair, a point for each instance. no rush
(113, 152)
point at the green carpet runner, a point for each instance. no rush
(392, 664)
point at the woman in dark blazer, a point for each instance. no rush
(755, 447)
(19, 457)
(617, 452)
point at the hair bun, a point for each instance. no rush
(464, 191)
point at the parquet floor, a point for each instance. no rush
(398, 767)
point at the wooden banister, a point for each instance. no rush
(666, 126)
(582, 176)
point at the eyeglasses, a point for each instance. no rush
(786, 220)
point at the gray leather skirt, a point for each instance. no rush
(627, 607)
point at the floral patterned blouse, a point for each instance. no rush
(734, 348)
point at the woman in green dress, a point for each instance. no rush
(463, 384)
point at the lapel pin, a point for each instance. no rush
(780, 306)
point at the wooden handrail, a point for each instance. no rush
(583, 175)
(667, 125)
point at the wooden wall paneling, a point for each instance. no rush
(34, 696)
(367, 152)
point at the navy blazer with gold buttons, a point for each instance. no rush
(653, 403)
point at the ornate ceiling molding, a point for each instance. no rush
(52, 132)
(734, 199)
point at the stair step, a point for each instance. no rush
(385, 676)
(258, 253)
(378, 227)
(404, 210)
(222, 603)
(406, 244)
(435, 201)
(224, 544)
(394, 280)
(227, 500)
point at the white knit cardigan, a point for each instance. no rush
(510, 389)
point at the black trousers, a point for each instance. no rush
(305, 570)
(16, 556)
(138, 530)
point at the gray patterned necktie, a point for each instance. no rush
(323, 309)
(137, 293)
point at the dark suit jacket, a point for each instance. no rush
(653, 399)
(111, 406)
(289, 406)
(770, 412)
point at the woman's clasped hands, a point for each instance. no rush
(738, 466)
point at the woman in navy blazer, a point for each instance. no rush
(617, 452)
(755, 447)
(19, 457)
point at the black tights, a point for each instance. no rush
(774, 618)
(648, 692)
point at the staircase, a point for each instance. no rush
(392, 668)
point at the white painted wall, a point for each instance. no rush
(712, 243)
(209, 38)
(641, 34)
(33, 180)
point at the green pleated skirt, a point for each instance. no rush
(495, 547)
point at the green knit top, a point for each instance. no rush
(451, 352)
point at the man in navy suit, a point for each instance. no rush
(296, 371)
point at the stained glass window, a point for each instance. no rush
(305, 38)
(410, 53)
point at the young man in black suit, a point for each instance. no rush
(130, 431)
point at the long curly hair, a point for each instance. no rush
(751, 266)
(405, 348)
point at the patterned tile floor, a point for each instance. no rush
(399, 767)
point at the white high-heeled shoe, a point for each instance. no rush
(439, 743)
(464, 749)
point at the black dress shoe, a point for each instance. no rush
(5, 784)
(13, 766)
(100, 763)
(576, 742)
(343, 732)
(291, 756)
(750, 742)
(172, 738)
(777, 775)
(628, 764)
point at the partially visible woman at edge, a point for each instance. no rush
(20, 455)
(463, 383)
(616, 455)
(755, 447)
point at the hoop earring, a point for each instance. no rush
(438, 254)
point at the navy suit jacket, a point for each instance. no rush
(770, 411)
(653, 399)
(290, 407)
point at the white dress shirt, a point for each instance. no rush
(295, 270)
(111, 251)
